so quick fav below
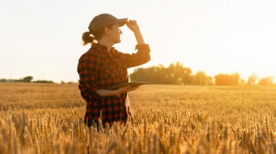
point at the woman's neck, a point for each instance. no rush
(106, 43)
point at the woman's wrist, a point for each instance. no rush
(139, 37)
(115, 92)
(136, 31)
(106, 92)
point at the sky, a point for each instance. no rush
(43, 38)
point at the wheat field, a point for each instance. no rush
(169, 119)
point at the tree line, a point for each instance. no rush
(26, 79)
(176, 73)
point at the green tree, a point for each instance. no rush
(2, 80)
(27, 79)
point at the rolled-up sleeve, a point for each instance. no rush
(140, 57)
(87, 68)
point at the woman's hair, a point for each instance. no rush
(87, 38)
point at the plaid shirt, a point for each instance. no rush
(98, 70)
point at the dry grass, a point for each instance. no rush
(47, 118)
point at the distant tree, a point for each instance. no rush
(200, 78)
(210, 80)
(27, 79)
(142, 74)
(226, 79)
(242, 82)
(186, 77)
(180, 74)
(267, 81)
(174, 74)
(43, 81)
(252, 79)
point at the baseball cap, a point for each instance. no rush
(103, 20)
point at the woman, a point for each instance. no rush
(102, 67)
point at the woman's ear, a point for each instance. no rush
(106, 30)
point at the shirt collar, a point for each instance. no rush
(100, 48)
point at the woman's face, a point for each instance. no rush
(114, 33)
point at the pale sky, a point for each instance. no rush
(42, 38)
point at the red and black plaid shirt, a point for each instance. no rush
(98, 70)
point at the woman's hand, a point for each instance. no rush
(132, 25)
(118, 92)
(124, 90)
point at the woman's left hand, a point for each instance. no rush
(132, 25)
